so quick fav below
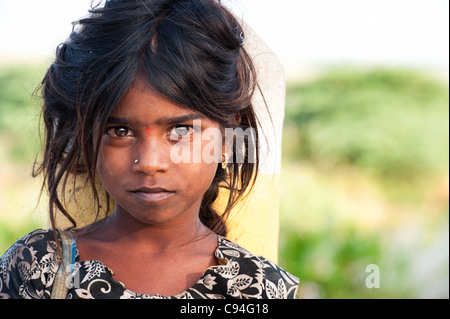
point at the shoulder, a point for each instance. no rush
(28, 267)
(254, 276)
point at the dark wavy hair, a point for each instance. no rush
(188, 51)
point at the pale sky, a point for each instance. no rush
(406, 32)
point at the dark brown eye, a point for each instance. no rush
(181, 131)
(118, 131)
(121, 131)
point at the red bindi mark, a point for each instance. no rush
(149, 130)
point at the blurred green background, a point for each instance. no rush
(364, 179)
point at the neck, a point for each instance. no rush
(122, 229)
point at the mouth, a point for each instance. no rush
(152, 195)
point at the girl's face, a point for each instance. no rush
(139, 159)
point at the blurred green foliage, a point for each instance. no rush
(19, 146)
(355, 139)
(391, 122)
(19, 110)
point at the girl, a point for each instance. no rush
(136, 86)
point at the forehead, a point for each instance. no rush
(142, 105)
(142, 99)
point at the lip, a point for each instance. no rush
(152, 195)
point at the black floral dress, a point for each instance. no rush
(28, 269)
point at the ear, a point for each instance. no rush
(237, 119)
(227, 145)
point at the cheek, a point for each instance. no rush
(109, 164)
(204, 173)
(199, 177)
(104, 173)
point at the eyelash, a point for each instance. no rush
(116, 128)
(113, 130)
(191, 131)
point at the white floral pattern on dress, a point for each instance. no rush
(28, 268)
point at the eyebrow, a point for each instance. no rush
(168, 120)
(186, 118)
(117, 120)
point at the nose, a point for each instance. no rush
(152, 157)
